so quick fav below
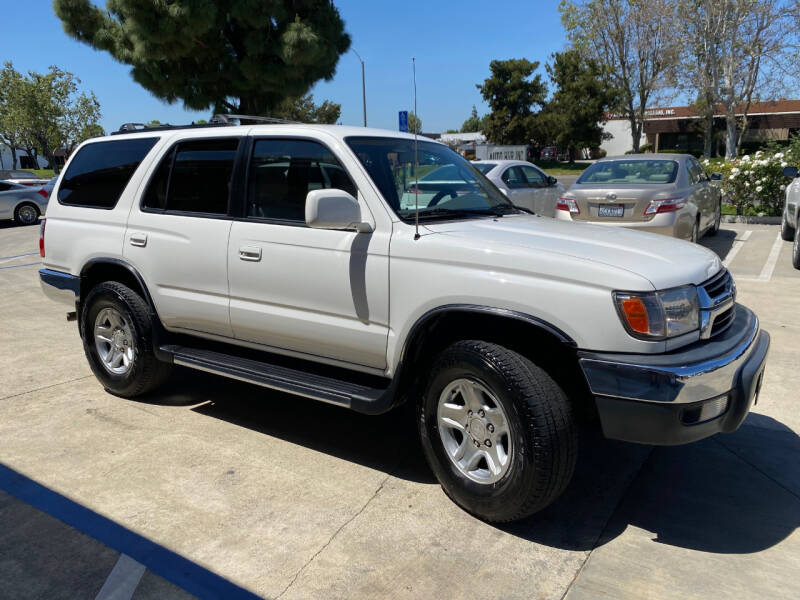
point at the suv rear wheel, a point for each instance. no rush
(116, 328)
(497, 431)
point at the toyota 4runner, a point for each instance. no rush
(303, 258)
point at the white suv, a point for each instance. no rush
(284, 255)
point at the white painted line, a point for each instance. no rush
(737, 245)
(772, 259)
(123, 580)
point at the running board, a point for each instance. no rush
(349, 394)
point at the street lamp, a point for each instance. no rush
(363, 86)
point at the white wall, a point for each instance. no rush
(620, 142)
(7, 163)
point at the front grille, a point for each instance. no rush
(722, 321)
(718, 285)
(717, 304)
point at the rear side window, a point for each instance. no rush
(195, 177)
(98, 174)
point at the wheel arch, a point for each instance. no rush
(543, 343)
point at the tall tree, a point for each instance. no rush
(304, 110)
(512, 95)
(241, 56)
(635, 42)
(574, 114)
(473, 123)
(414, 123)
(11, 107)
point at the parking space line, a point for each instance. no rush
(5, 259)
(769, 266)
(737, 245)
(123, 579)
(18, 266)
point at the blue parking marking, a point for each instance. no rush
(171, 566)
(25, 265)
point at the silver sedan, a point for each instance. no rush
(525, 184)
(24, 204)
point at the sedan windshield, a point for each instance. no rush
(440, 182)
(484, 167)
(631, 171)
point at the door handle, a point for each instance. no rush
(251, 253)
(138, 239)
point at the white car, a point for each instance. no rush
(524, 183)
(790, 216)
(285, 255)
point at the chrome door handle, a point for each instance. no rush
(251, 253)
(138, 239)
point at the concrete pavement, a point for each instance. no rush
(288, 498)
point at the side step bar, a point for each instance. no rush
(349, 394)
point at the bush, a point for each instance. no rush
(755, 184)
(597, 153)
(646, 148)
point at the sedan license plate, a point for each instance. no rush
(612, 210)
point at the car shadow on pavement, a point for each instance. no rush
(384, 442)
(730, 494)
(720, 243)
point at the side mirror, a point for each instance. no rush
(716, 177)
(790, 172)
(551, 180)
(334, 209)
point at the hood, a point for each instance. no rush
(665, 262)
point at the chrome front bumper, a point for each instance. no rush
(647, 399)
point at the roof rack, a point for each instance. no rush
(219, 120)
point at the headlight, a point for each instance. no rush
(659, 315)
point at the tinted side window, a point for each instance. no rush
(201, 176)
(535, 177)
(156, 195)
(98, 174)
(4, 186)
(282, 172)
(694, 176)
(514, 177)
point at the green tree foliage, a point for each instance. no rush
(303, 110)
(241, 56)
(44, 112)
(574, 114)
(512, 94)
(414, 123)
(473, 123)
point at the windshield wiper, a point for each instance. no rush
(450, 212)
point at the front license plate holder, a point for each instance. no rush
(611, 210)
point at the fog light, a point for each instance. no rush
(710, 409)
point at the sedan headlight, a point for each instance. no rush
(659, 315)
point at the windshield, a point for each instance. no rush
(631, 171)
(484, 167)
(444, 184)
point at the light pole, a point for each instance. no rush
(363, 86)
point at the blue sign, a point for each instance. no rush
(404, 120)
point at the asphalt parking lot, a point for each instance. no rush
(218, 489)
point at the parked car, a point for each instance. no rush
(22, 203)
(169, 247)
(549, 153)
(669, 194)
(525, 184)
(790, 217)
(22, 177)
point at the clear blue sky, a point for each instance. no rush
(453, 42)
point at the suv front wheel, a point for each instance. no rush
(497, 431)
(116, 328)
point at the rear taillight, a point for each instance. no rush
(41, 237)
(665, 205)
(43, 193)
(568, 204)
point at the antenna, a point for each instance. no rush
(416, 155)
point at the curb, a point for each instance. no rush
(751, 220)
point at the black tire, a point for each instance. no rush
(22, 211)
(542, 429)
(787, 231)
(695, 235)
(146, 372)
(714, 230)
(796, 247)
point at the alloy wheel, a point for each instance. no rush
(113, 338)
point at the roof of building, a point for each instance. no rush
(771, 107)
